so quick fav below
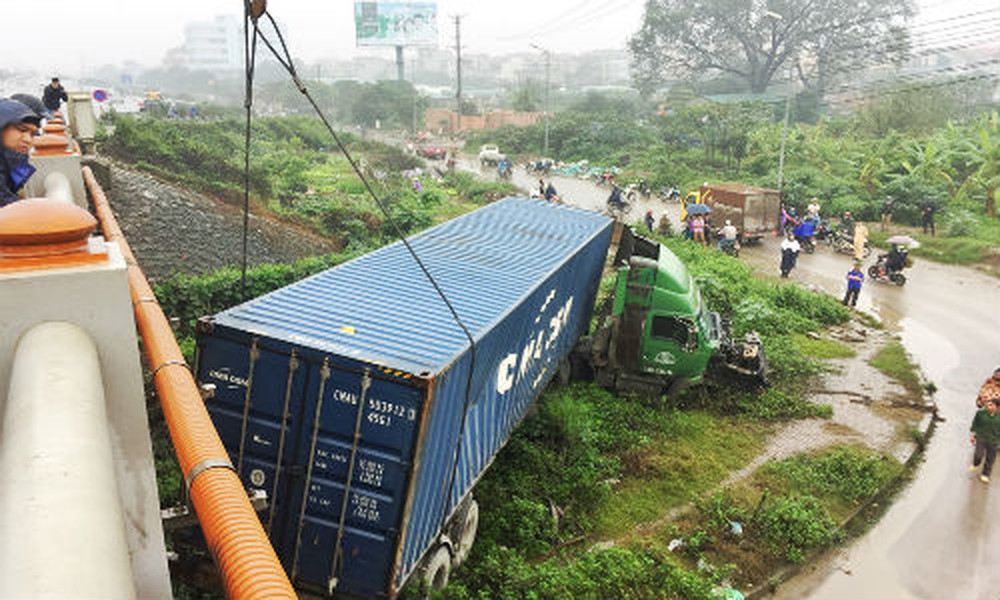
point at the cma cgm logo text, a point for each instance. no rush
(516, 365)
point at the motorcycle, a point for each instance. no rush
(617, 205)
(731, 248)
(880, 272)
(539, 166)
(644, 188)
(670, 195)
(805, 233)
(843, 244)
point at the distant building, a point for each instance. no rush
(445, 120)
(215, 46)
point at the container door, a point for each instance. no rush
(363, 425)
(257, 410)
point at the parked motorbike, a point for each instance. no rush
(644, 188)
(843, 244)
(880, 272)
(670, 195)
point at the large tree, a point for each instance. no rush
(760, 40)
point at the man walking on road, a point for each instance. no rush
(985, 435)
(854, 280)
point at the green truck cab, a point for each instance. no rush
(656, 334)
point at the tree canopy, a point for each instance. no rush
(758, 41)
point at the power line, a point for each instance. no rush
(924, 52)
(548, 24)
(924, 76)
(911, 88)
(577, 20)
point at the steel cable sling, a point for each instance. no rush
(254, 10)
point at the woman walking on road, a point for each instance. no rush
(790, 249)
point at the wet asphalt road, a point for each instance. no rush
(941, 537)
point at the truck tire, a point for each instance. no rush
(677, 386)
(437, 570)
(466, 526)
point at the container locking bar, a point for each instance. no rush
(293, 365)
(254, 355)
(338, 551)
(324, 374)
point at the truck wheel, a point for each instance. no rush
(676, 387)
(438, 569)
(466, 528)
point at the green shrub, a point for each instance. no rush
(850, 473)
(793, 525)
(620, 573)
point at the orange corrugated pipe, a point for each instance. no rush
(249, 567)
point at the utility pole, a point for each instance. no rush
(784, 134)
(548, 70)
(399, 63)
(458, 69)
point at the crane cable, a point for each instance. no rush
(285, 60)
(251, 12)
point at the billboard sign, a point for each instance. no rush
(396, 23)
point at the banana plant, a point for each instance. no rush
(986, 176)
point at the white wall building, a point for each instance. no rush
(215, 45)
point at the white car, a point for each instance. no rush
(490, 154)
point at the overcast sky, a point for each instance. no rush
(66, 36)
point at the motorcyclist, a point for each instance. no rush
(804, 233)
(550, 192)
(895, 260)
(728, 235)
(615, 199)
(847, 224)
(503, 168)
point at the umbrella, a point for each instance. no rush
(698, 208)
(903, 240)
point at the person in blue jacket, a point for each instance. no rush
(855, 278)
(18, 125)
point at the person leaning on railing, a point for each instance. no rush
(18, 125)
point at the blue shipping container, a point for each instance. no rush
(357, 403)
